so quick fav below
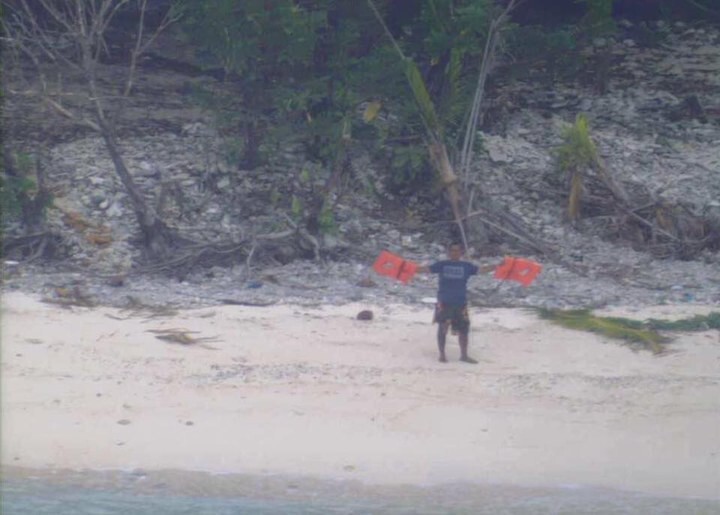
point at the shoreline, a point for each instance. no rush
(171, 483)
(312, 392)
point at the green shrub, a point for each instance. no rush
(598, 20)
(19, 195)
(555, 51)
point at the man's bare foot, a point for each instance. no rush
(468, 359)
(442, 359)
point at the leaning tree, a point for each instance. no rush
(71, 35)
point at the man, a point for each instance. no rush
(451, 308)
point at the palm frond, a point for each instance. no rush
(422, 97)
(613, 327)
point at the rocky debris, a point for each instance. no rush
(640, 126)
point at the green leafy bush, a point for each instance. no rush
(535, 48)
(598, 20)
(19, 190)
(578, 150)
(13, 190)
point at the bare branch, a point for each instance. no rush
(102, 21)
(70, 115)
(24, 28)
(485, 67)
(135, 54)
(54, 10)
(522, 238)
(170, 17)
(84, 23)
(141, 47)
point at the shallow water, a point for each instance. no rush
(173, 492)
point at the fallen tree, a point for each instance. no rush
(667, 229)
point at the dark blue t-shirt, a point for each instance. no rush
(453, 277)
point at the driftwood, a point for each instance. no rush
(503, 222)
(666, 229)
(237, 302)
(183, 337)
(195, 255)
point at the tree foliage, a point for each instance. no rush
(575, 156)
(312, 64)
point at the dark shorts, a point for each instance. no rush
(457, 315)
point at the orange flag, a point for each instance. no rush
(394, 266)
(521, 270)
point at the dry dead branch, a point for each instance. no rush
(72, 33)
(631, 213)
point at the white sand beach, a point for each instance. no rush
(315, 392)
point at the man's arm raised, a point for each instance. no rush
(486, 268)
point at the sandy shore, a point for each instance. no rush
(314, 392)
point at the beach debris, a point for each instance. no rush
(68, 297)
(694, 323)
(365, 314)
(135, 308)
(183, 337)
(270, 278)
(644, 332)
(366, 282)
(237, 302)
(123, 422)
(116, 281)
(632, 331)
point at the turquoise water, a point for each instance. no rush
(40, 496)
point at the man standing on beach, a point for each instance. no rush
(451, 308)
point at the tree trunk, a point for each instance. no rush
(441, 161)
(251, 152)
(156, 237)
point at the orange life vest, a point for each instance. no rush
(394, 266)
(521, 270)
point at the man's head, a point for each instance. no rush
(455, 251)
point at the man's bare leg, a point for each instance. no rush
(441, 337)
(464, 349)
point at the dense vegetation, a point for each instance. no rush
(318, 65)
(396, 78)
